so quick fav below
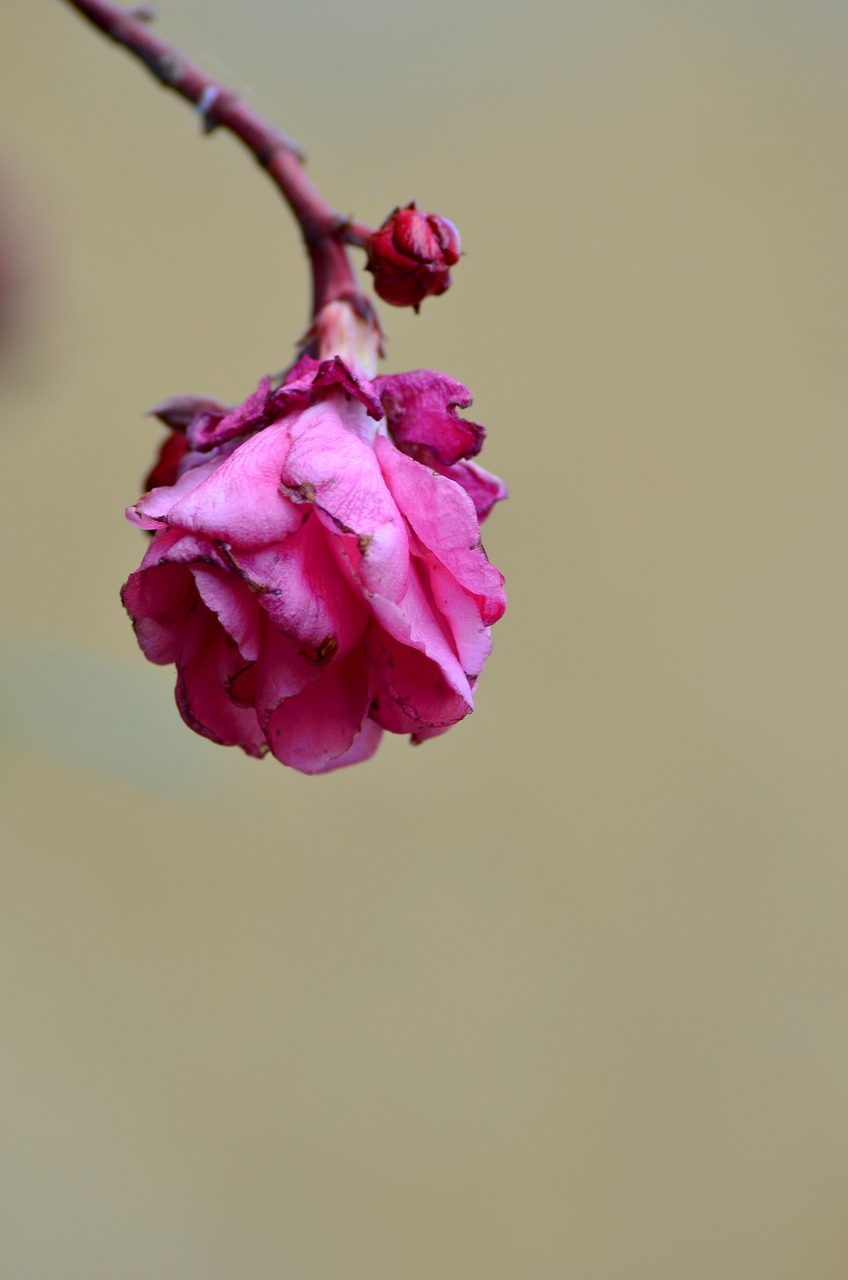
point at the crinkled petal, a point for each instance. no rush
(421, 413)
(240, 501)
(208, 431)
(207, 665)
(233, 604)
(308, 380)
(175, 546)
(152, 510)
(300, 586)
(483, 487)
(443, 517)
(320, 725)
(412, 682)
(391, 716)
(159, 599)
(416, 624)
(461, 611)
(282, 670)
(336, 373)
(364, 745)
(330, 466)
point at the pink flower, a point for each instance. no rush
(316, 572)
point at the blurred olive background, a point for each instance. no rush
(561, 995)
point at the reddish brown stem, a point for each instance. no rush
(323, 230)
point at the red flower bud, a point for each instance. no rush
(410, 256)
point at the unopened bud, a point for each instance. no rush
(410, 256)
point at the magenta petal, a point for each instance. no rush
(240, 502)
(461, 611)
(174, 546)
(208, 664)
(483, 487)
(415, 683)
(208, 430)
(442, 515)
(158, 600)
(332, 467)
(302, 589)
(152, 510)
(391, 716)
(234, 606)
(364, 746)
(314, 729)
(414, 623)
(283, 670)
(336, 373)
(421, 413)
(309, 379)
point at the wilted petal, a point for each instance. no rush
(364, 745)
(483, 487)
(461, 611)
(314, 729)
(152, 510)
(208, 430)
(207, 665)
(332, 467)
(158, 600)
(416, 625)
(421, 413)
(240, 502)
(234, 606)
(443, 517)
(411, 681)
(282, 670)
(300, 586)
(336, 373)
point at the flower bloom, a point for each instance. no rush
(316, 572)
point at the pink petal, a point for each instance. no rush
(415, 622)
(240, 501)
(461, 611)
(234, 606)
(391, 716)
(364, 746)
(158, 600)
(330, 466)
(208, 664)
(152, 510)
(442, 515)
(304, 592)
(320, 725)
(483, 487)
(414, 684)
(283, 670)
(175, 546)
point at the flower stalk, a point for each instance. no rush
(323, 230)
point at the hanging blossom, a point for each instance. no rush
(316, 573)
